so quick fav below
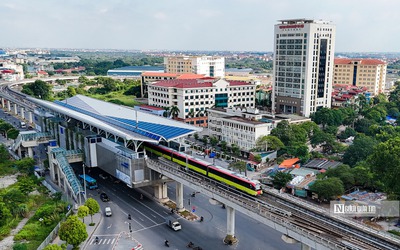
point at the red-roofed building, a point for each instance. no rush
(345, 95)
(151, 77)
(194, 97)
(369, 73)
(42, 73)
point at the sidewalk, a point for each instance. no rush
(89, 229)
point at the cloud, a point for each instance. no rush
(160, 16)
(209, 13)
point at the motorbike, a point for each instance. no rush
(166, 243)
(190, 245)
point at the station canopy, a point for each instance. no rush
(135, 125)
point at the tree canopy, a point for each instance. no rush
(328, 188)
(385, 164)
(73, 231)
(93, 206)
(281, 179)
(39, 89)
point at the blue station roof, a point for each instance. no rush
(124, 120)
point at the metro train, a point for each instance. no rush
(230, 178)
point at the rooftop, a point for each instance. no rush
(122, 121)
(183, 83)
(322, 164)
(362, 61)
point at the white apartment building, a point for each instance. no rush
(369, 73)
(212, 66)
(303, 66)
(239, 126)
(194, 97)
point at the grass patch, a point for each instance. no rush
(394, 232)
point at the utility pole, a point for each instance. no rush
(84, 180)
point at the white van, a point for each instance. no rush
(108, 212)
(22, 124)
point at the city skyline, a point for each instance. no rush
(237, 25)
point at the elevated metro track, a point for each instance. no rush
(313, 228)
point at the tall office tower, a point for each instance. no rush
(303, 66)
(212, 66)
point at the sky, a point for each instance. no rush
(230, 25)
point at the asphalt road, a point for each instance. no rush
(148, 223)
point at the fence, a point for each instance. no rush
(53, 233)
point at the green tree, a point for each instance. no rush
(39, 89)
(166, 111)
(25, 165)
(13, 197)
(239, 165)
(283, 132)
(235, 150)
(4, 155)
(258, 158)
(324, 116)
(269, 142)
(385, 165)
(93, 206)
(83, 211)
(175, 111)
(347, 133)
(394, 112)
(83, 79)
(224, 146)
(73, 231)
(71, 91)
(53, 247)
(205, 140)
(328, 188)
(361, 148)
(213, 141)
(281, 179)
(299, 150)
(196, 136)
(310, 128)
(326, 141)
(344, 173)
(362, 126)
(5, 214)
(363, 176)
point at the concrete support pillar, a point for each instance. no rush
(8, 106)
(19, 152)
(30, 152)
(2, 103)
(160, 192)
(58, 175)
(22, 113)
(305, 247)
(230, 220)
(30, 117)
(65, 185)
(179, 196)
(230, 226)
(15, 109)
(52, 171)
(165, 191)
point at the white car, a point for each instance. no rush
(200, 153)
(108, 212)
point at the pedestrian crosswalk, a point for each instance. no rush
(103, 240)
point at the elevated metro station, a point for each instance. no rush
(104, 135)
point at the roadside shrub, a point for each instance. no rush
(20, 246)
